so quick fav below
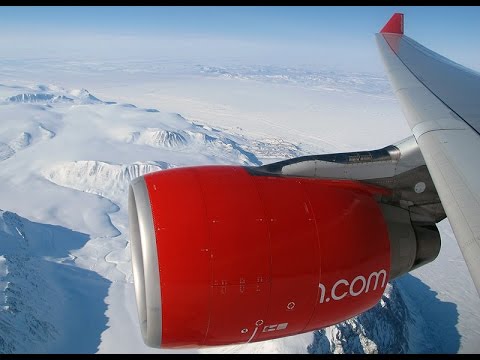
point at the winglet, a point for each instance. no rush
(394, 25)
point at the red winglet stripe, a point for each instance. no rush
(394, 25)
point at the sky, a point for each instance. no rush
(336, 37)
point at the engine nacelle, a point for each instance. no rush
(222, 255)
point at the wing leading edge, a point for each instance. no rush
(440, 101)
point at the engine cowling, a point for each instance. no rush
(222, 255)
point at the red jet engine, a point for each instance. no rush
(224, 255)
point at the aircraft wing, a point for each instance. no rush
(441, 102)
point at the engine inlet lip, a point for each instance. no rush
(145, 262)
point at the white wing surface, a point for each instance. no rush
(441, 102)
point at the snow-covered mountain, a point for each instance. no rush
(394, 326)
(66, 159)
(47, 303)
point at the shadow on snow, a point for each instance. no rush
(52, 305)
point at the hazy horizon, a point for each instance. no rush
(341, 38)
